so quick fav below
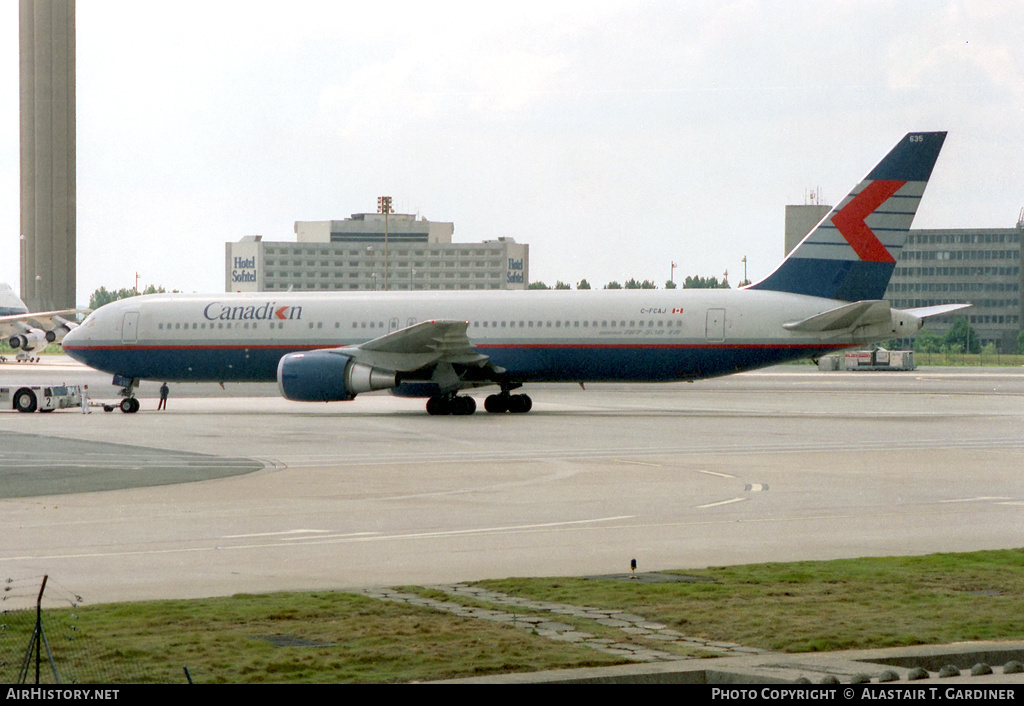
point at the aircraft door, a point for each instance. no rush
(393, 324)
(130, 327)
(715, 331)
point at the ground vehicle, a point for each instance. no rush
(42, 398)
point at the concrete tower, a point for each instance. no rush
(47, 42)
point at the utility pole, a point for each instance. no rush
(384, 206)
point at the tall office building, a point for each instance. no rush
(800, 220)
(981, 266)
(47, 98)
(977, 265)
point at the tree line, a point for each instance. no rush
(104, 296)
(694, 282)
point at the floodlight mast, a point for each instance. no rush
(384, 206)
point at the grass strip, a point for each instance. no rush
(822, 605)
(342, 637)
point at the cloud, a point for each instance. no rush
(613, 137)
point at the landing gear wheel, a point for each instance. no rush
(463, 405)
(451, 405)
(496, 404)
(437, 406)
(504, 402)
(129, 405)
(25, 401)
(519, 404)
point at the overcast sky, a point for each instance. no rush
(613, 137)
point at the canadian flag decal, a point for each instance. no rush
(850, 220)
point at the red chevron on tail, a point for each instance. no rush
(850, 221)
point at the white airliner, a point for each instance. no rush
(330, 346)
(27, 331)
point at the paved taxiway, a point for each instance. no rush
(780, 465)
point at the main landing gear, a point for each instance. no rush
(495, 404)
(450, 404)
(504, 402)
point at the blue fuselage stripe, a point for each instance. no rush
(524, 363)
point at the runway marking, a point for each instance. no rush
(722, 502)
(638, 463)
(983, 498)
(328, 535)
(273, 534)
(713, 473)
(478, 530)
(737, 449)
(356, 537)
(859, 516)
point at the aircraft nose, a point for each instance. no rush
(76, 337)
(71, 336)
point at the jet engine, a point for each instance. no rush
(328, 376)
(28, 340)
(62, 327)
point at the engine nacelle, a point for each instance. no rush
(327, 376)
(28, 340)
(61, 329)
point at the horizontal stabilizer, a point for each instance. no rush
(926, 311)
(843, 318)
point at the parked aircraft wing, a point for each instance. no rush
(34, 328)
(46, 320)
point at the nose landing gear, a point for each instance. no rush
(129, 405)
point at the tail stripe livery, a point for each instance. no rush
(851, 254)
(851, 221)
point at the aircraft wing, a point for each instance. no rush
(418, 346)
(58, 322)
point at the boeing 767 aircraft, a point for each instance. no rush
(331, 346)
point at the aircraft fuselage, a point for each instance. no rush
(551, 336)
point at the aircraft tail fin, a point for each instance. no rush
(10, 303)
(851, 254)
